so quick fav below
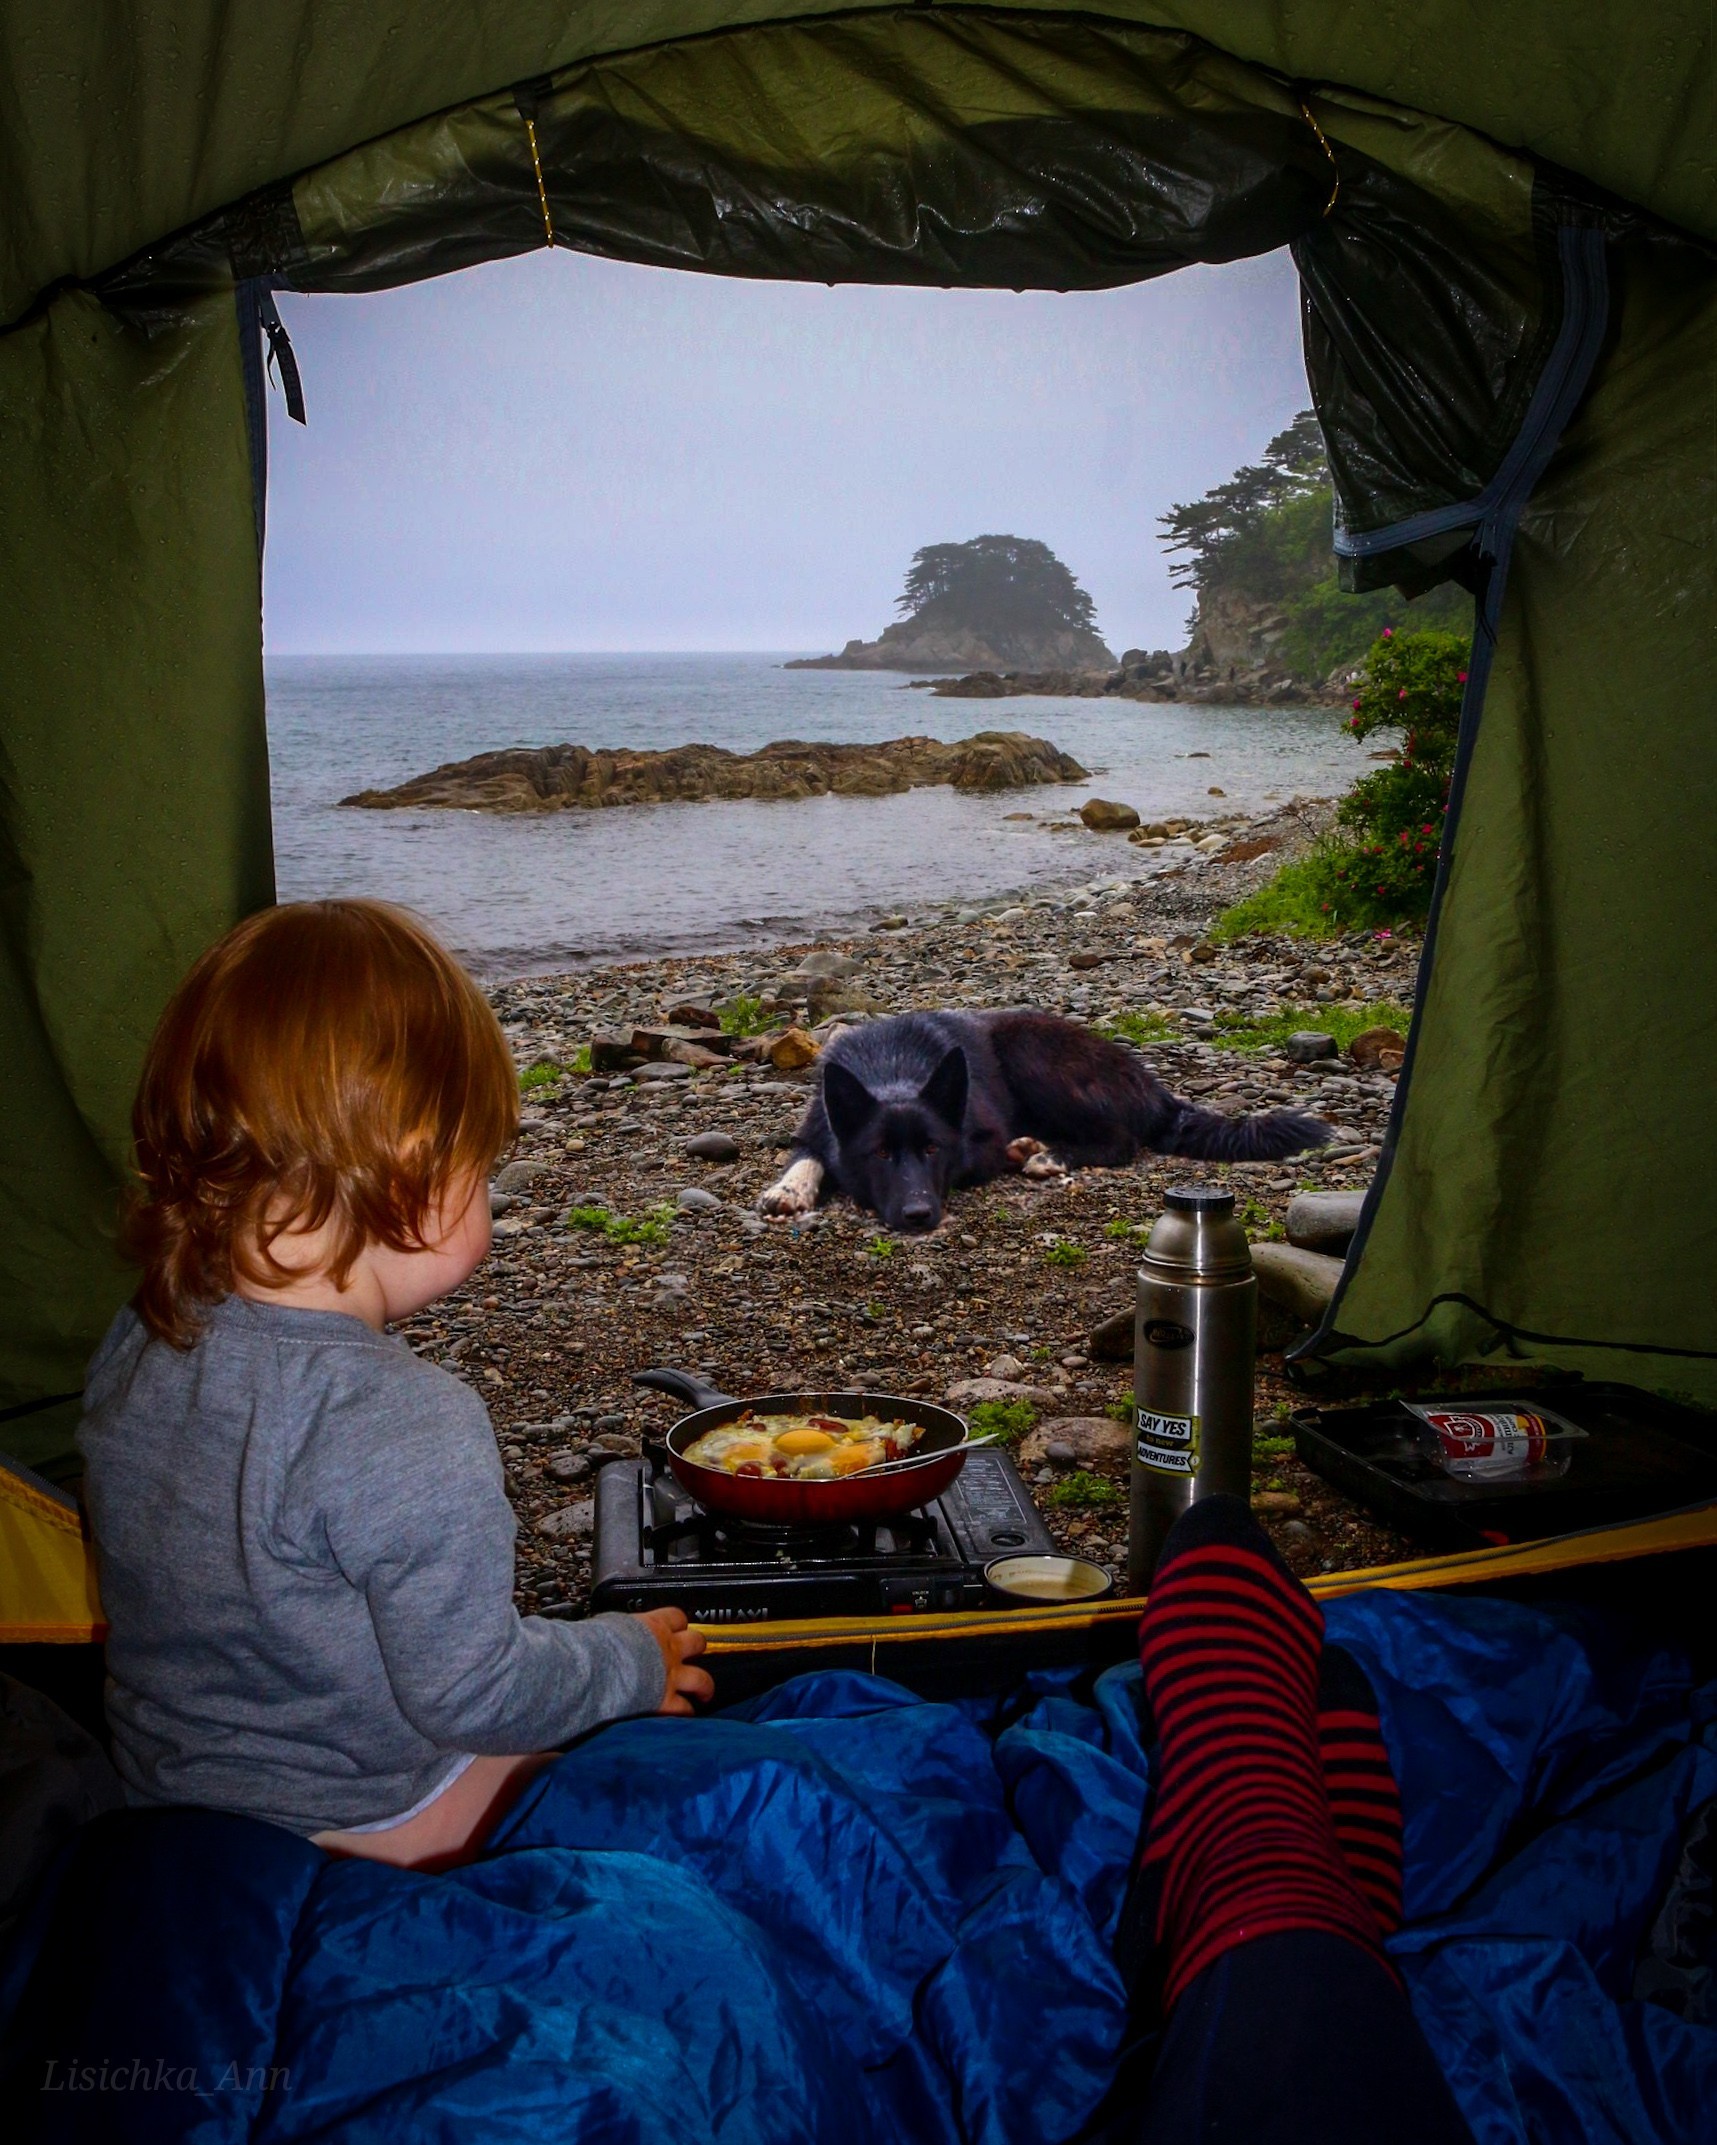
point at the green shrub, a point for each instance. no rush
(1378, 865)
(1087, 1493)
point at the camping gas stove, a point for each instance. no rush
(655, 1546)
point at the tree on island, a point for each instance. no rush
(995, 586)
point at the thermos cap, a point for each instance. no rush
(1195, 1199)
(1197, 1238)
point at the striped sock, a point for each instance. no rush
(1241, 1842)
(1360, 1783)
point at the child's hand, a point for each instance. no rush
(668, 1628)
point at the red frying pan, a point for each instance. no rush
(767, 1501)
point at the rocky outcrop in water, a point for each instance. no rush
(563, 778)
(913, 645)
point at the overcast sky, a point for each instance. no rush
(565, 453)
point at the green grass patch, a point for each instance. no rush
(1129, 1232)
(1233, 1033)
(538, 1076)
(1140, 1028)
(882, 1247)
(1086, 1493)
(654, 1226)
(1272, 1448)
(1294, 904)
(1065, 1254)
(1005, 1420)
(743, 1016)
(580, 1059)
(1121, 1411)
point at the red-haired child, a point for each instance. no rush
(305, 1546)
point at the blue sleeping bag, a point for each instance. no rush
(842, 1913)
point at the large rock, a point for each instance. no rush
(1112, 1341)
(1103, 816)
(1307, 1045)
(1300, 1282)
(792, 1050)
(968, 1392)
(1378, 1050)
(1077, 1440)
(1324, 1221)
(564, 778)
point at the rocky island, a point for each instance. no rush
(563, 778)
(994, 603)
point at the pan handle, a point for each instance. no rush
(683, 1386)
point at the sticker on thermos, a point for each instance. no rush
(1169, 1443)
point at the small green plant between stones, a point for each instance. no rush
(1140, 1028)
(882, 1247)
(1062, 1253)
(1344, 1023)
(743, 1016)
(1085, 1492)
(538, 1076)
(1005, 1420)
(655, 1226)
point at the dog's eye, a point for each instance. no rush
(929, 1146)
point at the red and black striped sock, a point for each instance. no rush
(1241, 1842)
(1359, 1780)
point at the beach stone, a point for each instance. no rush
(519, 1176)
(611, 1053)
(1005, 1367)
(890, 923)
(825, 964)
(1103, 816)
(1275, 1501)
(669, 1069)
(693, 1056)
(573, 1522)
(1378, 1050)
(712, 1147)
(1324, 1221)
(1076, 1439)
(697, 1201)
(793, 1050)
(499, 1203)
(693, 1013)
(1307, 1045)
(566, 1466)
(1112, 1341)
(970, 1392)
(1301, 1282)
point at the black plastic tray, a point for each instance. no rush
(1640, 1456)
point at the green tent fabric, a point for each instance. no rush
(164, 168)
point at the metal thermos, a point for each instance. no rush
(1193, 1350)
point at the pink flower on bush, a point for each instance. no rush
(1389, 633)
(1460, 677)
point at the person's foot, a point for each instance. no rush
(1364, 1800)
(1241, 1841)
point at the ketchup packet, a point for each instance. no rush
(1491, 1444)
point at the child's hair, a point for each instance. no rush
(327, 1060)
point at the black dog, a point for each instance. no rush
(914, 1105)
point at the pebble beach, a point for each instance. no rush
(627, 1233)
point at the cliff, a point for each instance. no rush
(564, 778)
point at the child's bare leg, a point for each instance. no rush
(456, 1823)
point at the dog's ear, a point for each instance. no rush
(945, 1090)
(849, 1103)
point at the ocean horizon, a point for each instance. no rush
(519, 895)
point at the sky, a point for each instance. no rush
(559, 453)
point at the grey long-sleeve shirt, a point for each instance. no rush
(306, 1560)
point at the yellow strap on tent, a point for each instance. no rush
(1694, 1528)
(47, 1571)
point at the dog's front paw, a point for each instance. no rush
(795, 1191)
(1033, 1159)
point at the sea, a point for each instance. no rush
(523, 895)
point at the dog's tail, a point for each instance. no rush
(1208, 1136)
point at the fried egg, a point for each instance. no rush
(803, 1448)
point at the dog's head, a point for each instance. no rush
(898, 1157)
